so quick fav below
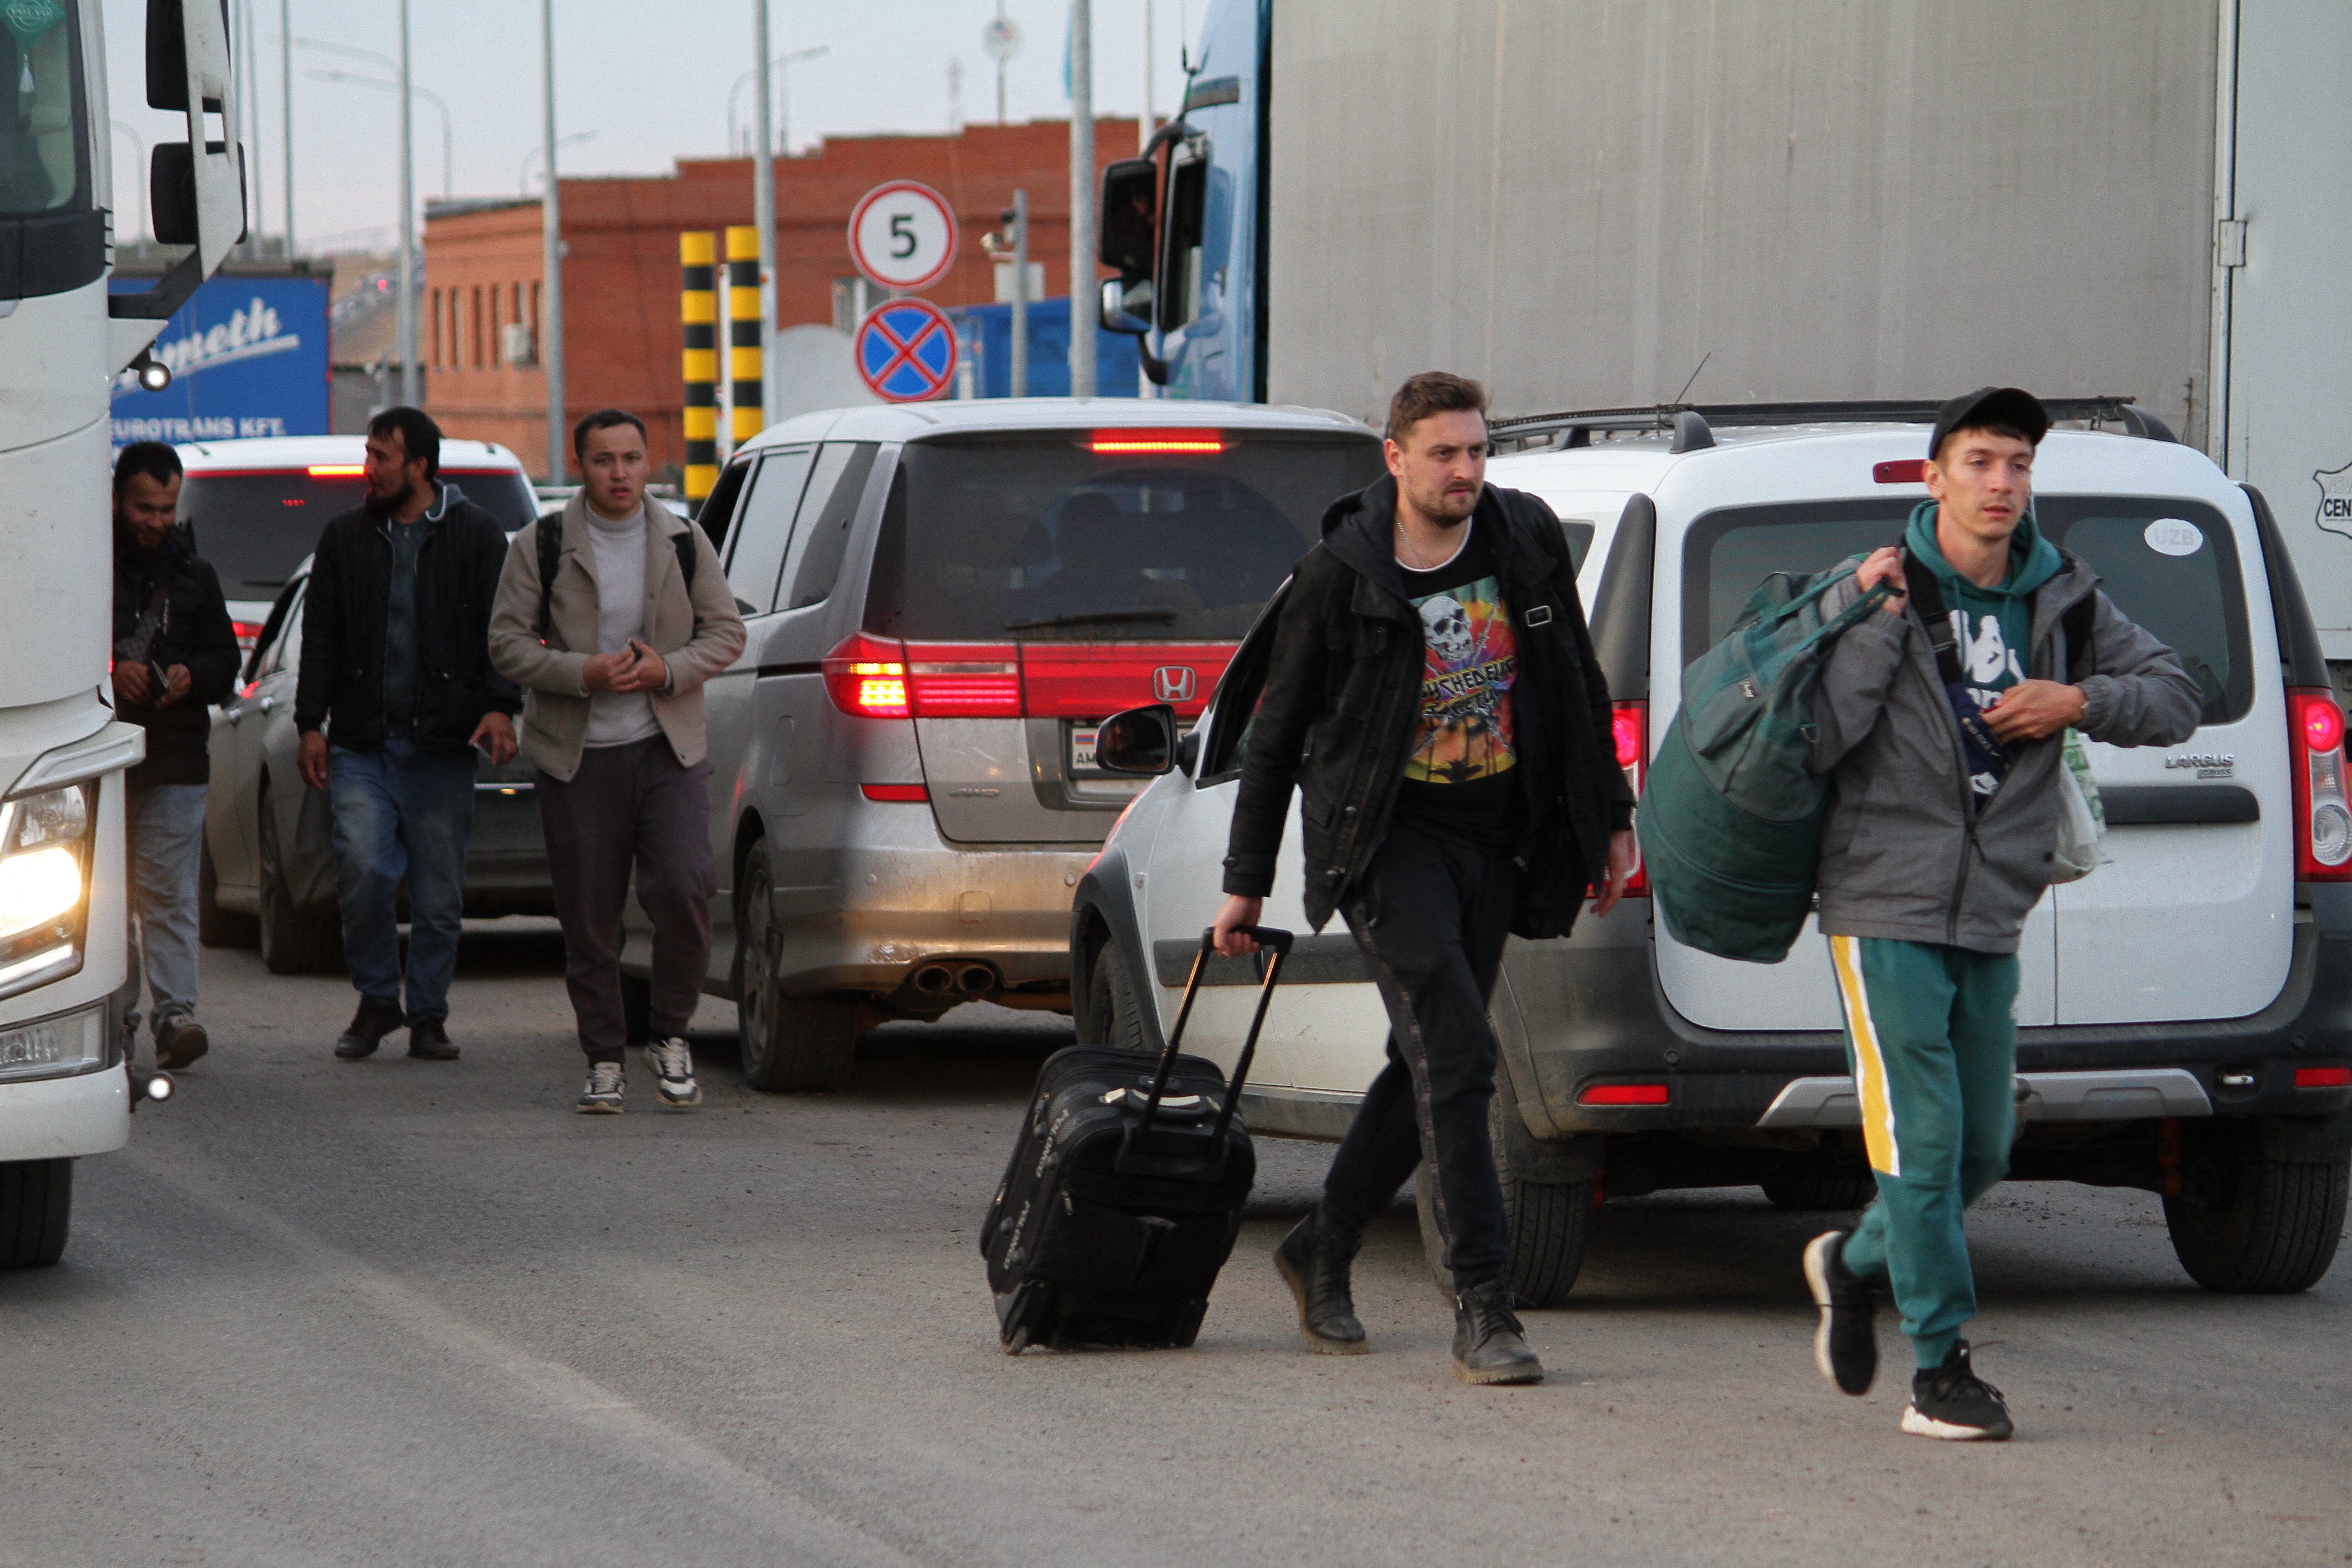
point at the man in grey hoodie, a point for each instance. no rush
(1943, 820)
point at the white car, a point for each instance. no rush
(258, 506)
(2186, 1009)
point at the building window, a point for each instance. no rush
(434, 359)
(473, 329)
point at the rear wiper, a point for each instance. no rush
(1088, 619)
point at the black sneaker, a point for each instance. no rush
(428, 1040)
(1315, 1266)
(179, 1041)
(606, 1082)
(369, 1025)
(1845, 1344)
(1953, 1403)
(1488, 1344)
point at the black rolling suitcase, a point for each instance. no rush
(1126, 1189)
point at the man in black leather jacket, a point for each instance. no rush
(395, 692)
(175, 651)
(1432, 693)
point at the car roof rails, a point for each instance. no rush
(1692, 425)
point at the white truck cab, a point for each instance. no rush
(65, 1087)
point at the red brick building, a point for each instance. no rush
(478, 321)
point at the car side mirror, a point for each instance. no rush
(1130, 209)
(1126, 309)
(1141, 740)
(1187, 754)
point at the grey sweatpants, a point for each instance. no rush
(630, 804)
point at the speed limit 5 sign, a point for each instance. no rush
(902, 235)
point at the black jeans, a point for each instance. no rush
(1432, 916)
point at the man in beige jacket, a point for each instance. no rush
(611, 635)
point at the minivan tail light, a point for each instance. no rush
(1625, 1094)
(2323, 1077)
(1156, 443)
(1629, 727)
(2323, 812)
(867, 679)
(956, 680)
(1901, 471)
(336, 470)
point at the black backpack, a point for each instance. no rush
(551, 554)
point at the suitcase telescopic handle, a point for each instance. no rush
(1277, 943)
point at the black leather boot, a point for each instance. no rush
(1488, 1346)
(369, 1025)
(1315, 1266)
(429, 1040)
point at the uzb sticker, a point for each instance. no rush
(2174, 536)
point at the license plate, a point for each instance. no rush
(1082, 748)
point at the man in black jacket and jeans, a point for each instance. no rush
(395, 692)
(175, 651)
(1432, 692)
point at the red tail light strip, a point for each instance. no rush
(2323, 812)
(913, 795)
(1629, 726)
(874, 679)
(1624, 1094)
(2323, 1077)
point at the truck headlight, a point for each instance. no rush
(44, 859)
(55, 1048)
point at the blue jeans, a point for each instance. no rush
(167, 837)
(402, 813)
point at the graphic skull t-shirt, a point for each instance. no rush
(1459, 780)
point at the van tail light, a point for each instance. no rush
(1625, 1094)
(1629, 726)
(2323, 812)
(248, 633)
(905, 794)
(2323, 1077)
(955, 681)
(867, 679)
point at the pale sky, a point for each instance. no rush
(650, 77)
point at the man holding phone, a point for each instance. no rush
(611, 615)
(396, 694)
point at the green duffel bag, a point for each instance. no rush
(1730, 816)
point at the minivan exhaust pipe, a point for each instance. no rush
(934, 980)
(975, 979)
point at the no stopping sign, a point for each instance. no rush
(902, 235)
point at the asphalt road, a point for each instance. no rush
(414, 1313)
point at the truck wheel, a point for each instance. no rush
(293, 941)
(217, 927)
(789, 1043)
(2247, 1222)
(1114, 1014)
(35, 1202)
(1813, 1192)
(1550, 1221)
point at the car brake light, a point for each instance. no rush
(1629, 727)
(1624, 1094)
(1156, 443)
(868, 679)
(2323, 814)
(1901, 471)
(2323, 1077)
(961, 681)
(336, 470)
(248, 633)
(911, 793)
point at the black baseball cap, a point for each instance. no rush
(2011, 405)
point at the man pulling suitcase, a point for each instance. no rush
(1433, 694)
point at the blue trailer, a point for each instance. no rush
(248, 355)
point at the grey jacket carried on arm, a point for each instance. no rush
(1908, 853)
(697, 632)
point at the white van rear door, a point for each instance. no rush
(2192, 918)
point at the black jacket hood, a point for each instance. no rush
(1360, 529)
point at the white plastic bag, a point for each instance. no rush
(2082, 820)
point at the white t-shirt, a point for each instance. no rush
(617, 718)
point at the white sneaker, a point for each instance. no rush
(605, 1082)
(673, 1070)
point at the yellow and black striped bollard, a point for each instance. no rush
(745, 399)
(698, 308)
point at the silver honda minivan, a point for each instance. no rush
(943, 600)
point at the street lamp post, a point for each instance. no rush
(286, 109)
(1083, 308)
(551, 230)
(763, 211)
(426, 93)
(522, 185)
(407, 224)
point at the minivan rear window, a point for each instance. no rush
(1040, 537)
(255, 527)
(2170, 565)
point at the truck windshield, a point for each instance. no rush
(2169, 564)
(1086, 537)
(43, 112)
(255, 527)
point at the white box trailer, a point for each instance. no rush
(1585, 202)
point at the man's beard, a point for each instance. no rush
(1442, 508)
(385, 506)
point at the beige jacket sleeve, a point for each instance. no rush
(515, 648)
(718, 633)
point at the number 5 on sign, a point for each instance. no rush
(902, 236)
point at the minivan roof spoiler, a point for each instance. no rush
(1692, 423)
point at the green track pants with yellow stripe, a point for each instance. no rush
(1932, 1034)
